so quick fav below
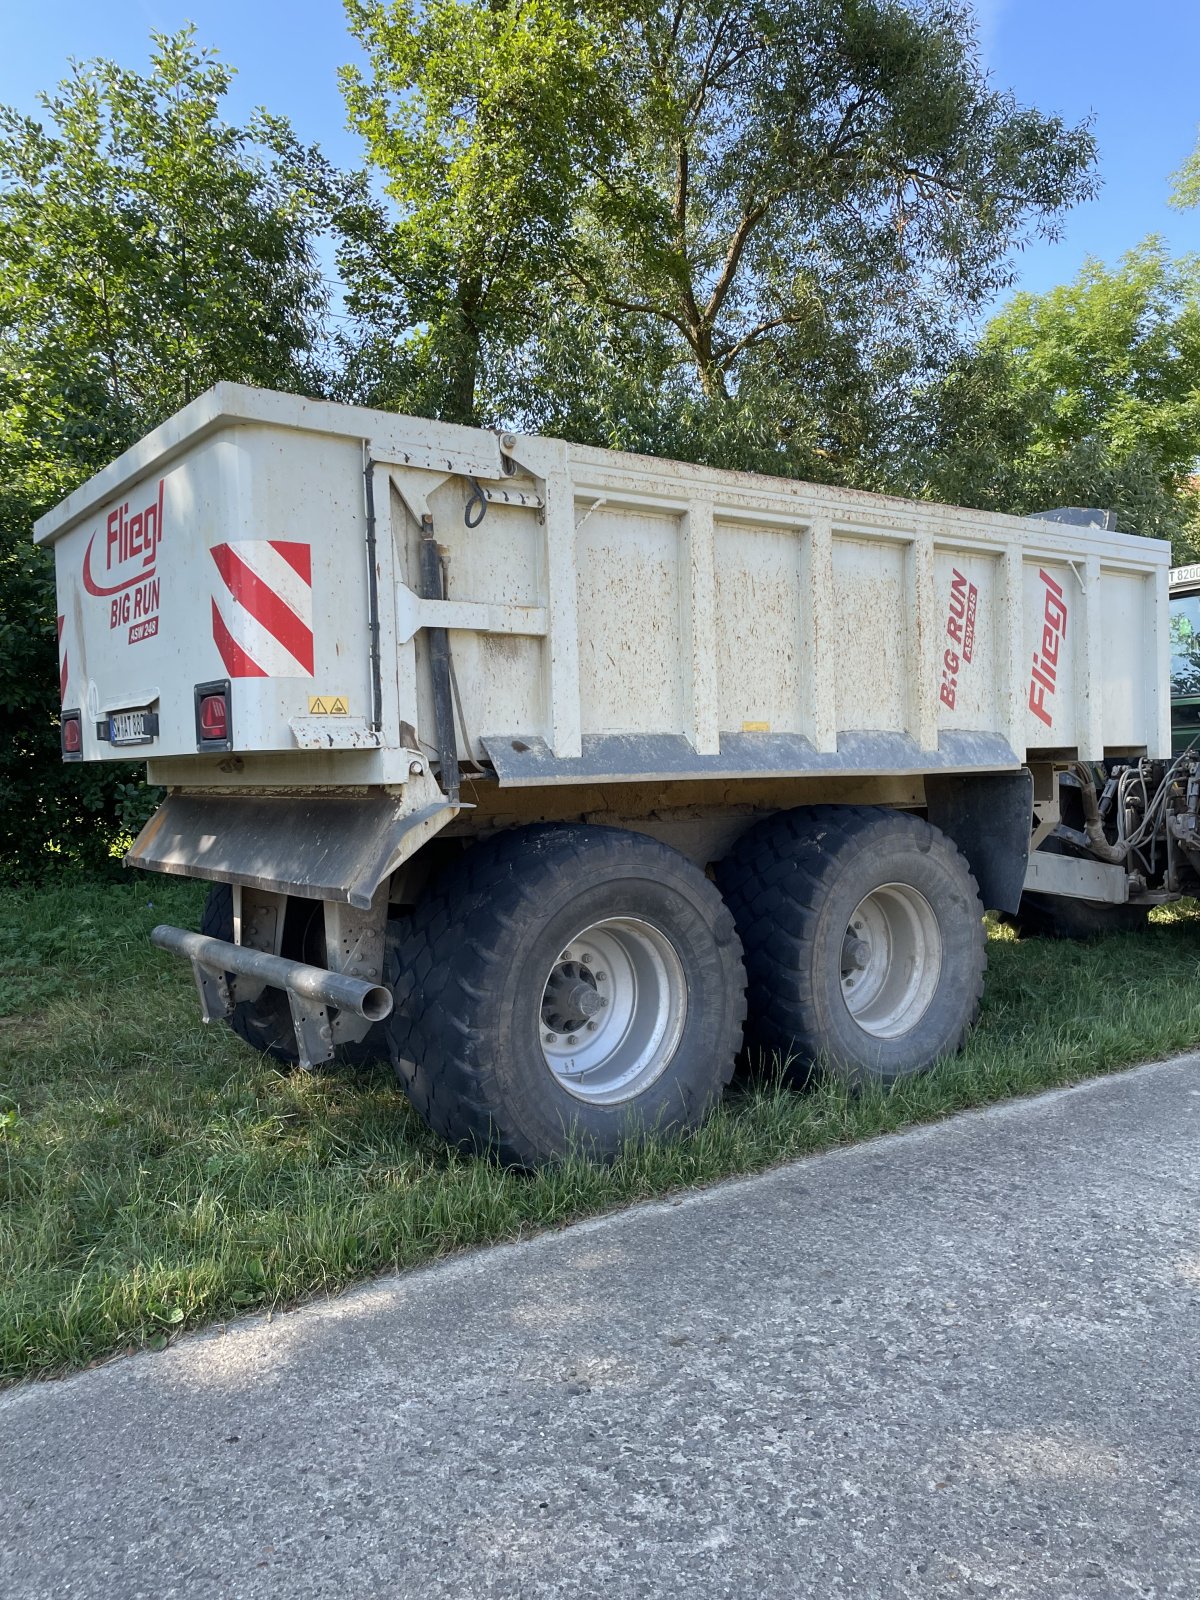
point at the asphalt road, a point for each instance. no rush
(961, 1361)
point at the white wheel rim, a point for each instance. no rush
(891, 960)
(612, 1011)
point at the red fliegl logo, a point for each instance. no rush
(128, 581)
(1044, 676)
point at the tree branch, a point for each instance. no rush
(786, 319)
(696, 102)
(677, 21)
(922, 181)
(614, 302)
(646, 308)
(848, 116)
(737, 245)
(681, 186)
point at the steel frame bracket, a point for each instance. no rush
(474, 616)
(310, 1020)
(216, 993)
(257, 925)
(354, 944)
(314, 1032)
(313, 1029)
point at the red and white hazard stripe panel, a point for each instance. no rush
(262, 609)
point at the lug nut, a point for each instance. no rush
(592, 1027)
(601, 976)
(551, 1038)
(572, 1039)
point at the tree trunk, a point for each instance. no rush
(462, 360)
(460, 384)
(712, 374)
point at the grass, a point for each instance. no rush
(155, 1175)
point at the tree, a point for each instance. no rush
(1185, 184)
(762, 193)
(147, 249)
(480, 119)
(799, 163)
(823, 412)
(1087, 395)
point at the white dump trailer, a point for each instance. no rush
(560, 775)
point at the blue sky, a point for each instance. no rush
(1134, 67)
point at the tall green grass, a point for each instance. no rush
(154, 1174)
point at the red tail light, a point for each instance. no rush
(71, 729)
(214, 728)
(214, 723)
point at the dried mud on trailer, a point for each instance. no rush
(559, 776)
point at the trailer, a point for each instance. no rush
(560, 776)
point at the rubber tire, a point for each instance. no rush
(468, 968)
(1049, 916)
(793, 882)
(265, 1024)
(1052, 916)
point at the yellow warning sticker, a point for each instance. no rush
(756, 727)
(328, 705)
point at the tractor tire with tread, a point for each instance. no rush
(470, 971)
(795, 881)
(1049, 916)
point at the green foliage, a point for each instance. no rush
(1185, 646)
(1185, 184)
(797, 165)
(1115, 354)
(147, 249)
(1086, 395)
(481, 120)
(733, 230)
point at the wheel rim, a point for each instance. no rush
(613, 1009)
(891, 960)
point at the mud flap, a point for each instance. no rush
(990, 818)
(333, 847)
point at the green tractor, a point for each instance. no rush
(1185, 656)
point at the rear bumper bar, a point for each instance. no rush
(311, 991)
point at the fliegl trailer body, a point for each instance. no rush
(559, 776)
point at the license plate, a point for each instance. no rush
(132, 727)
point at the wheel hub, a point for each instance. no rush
(891, 960)
(613, 1009)
(856, 953)
(571, 997)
